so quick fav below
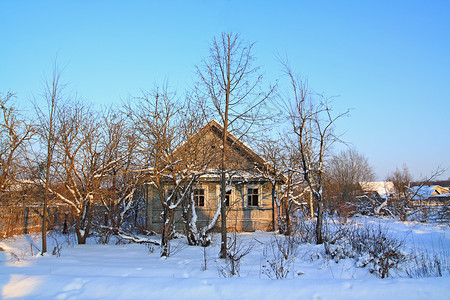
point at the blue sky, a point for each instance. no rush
(389, 61)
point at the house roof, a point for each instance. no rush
(233, 141)
(237, 143)
(383, 188)
(424, 192)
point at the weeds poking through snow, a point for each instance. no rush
(14, 256)
(150, 248)
(429, 264)
(235, 252)
(305, 230)
(280, 255)
(58, 247)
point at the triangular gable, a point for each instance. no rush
(241, 153)
(237, 143)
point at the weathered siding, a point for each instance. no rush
(239, 158)
(240, 217)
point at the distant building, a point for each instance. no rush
(381, 189)
(425, 192)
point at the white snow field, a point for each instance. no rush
(136, 271)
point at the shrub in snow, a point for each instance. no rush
(305, 230)
(277, 268)
(386, 256)
(279, 256)
(340, 249)
(363, 260)
(371, 247)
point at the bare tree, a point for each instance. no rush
(123, 177)
(294, 193)
(401, 178)
(52, 95)
(162, 128)
(78, 162)
(229, 85)
(312, 124)
(345, 171)
(14, 132)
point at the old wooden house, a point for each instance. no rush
(250, 189)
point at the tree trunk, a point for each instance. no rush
(44, 223)
(83, 224)
(274, 194)
(81, 233)
(223, 244)
(319, 224)
(166, 231)
(47, 182)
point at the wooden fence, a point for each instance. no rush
(27, 219)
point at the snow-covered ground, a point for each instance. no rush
(136, 271)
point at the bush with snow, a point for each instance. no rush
(370, 246)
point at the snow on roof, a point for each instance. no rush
(381, 187)
(424, 192)
(420, 192)
(237, 175)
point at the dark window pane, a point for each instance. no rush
(227, 198)
(252, 197)
(199, 197)
(255, 200)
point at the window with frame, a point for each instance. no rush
(228, 198)
(199, 197)
(252, 196)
